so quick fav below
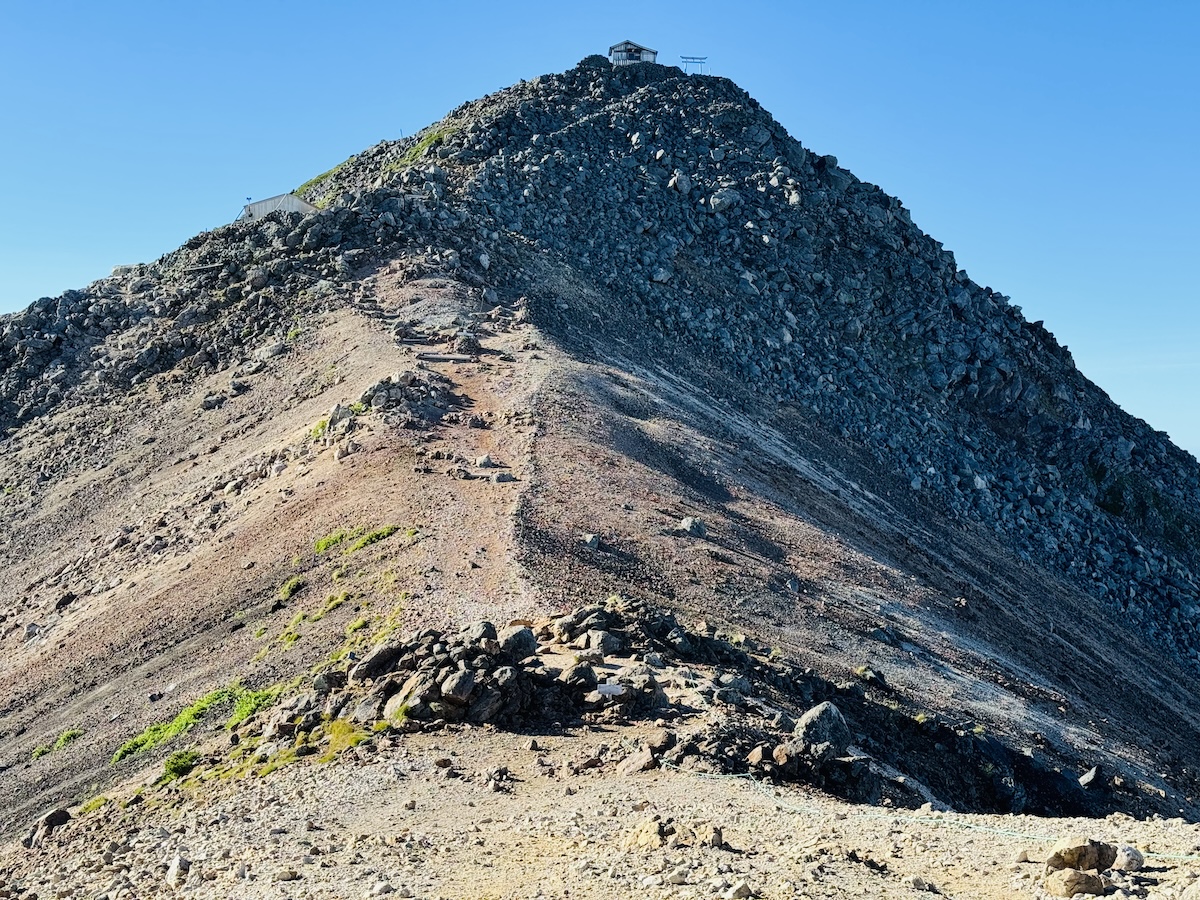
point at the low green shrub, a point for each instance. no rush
(66, 737)
(291, 587)
(342, 736)
(180, 763)
(158, 734)
(332, 602)
(313, 182)
(63, 739)
(244, 704)
(249, 703)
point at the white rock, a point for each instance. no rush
(267, 351)
(724, 199)
(177, 871)
(1129, 859)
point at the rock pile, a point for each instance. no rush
(1077, 865)
(720, 709)
(509, 677)
(413, 399)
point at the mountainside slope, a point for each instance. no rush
(644, 301)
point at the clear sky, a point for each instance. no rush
(1052, 146)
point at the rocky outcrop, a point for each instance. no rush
(722, 707)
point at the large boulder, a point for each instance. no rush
(458, 687)
(478, 632)
(518, 642)
(822, 732)
(418, 693)
(44, 826)
(1081, 853)
(1072, 882)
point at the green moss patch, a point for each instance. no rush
(63, 740)
(373, 537)
(331, 540)
(243, 704)
(92, 805)
(179, 764)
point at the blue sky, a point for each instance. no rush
(1051, 146)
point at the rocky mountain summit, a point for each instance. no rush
(608, 341)
(714, 235)
(711, 234)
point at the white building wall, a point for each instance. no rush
(286, 202)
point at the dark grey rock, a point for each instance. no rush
(822, 732)
(486, 706)
(604, 641)
(678, 638)
(580, 676)
(479, 631)
(378, 661)
(325, 682)
(458, 687)
(518, 641)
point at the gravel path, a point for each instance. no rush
(477, 813)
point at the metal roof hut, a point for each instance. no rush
(286, 202)
(627, 53)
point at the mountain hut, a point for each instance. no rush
(627, 53)
(286, 202)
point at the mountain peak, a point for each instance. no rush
(508, 357)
